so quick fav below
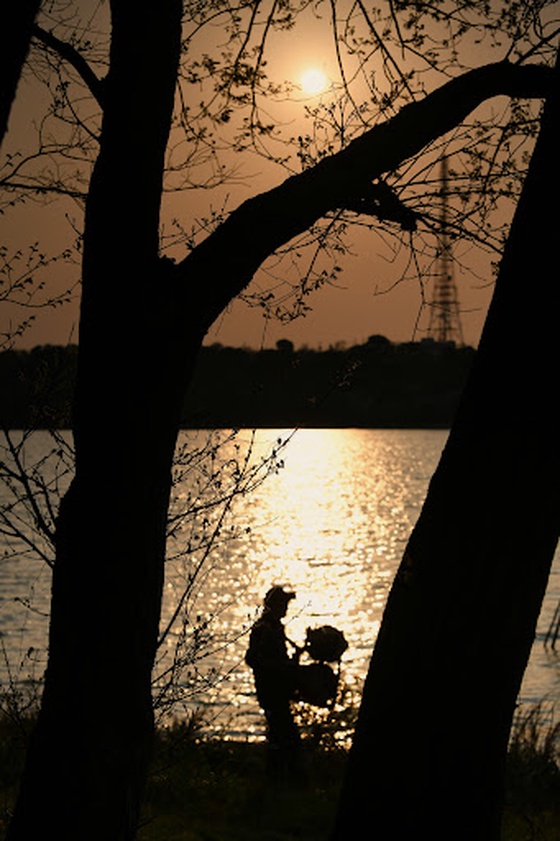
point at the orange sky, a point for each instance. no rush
(369, 298)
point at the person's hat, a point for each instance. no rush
(277, 595)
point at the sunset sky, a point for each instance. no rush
(376, 292)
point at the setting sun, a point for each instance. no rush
(314, 81)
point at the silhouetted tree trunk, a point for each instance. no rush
(430, 744)
(143, 320)
(88, 757)
(16, 22)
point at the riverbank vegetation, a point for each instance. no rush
(203, 789)
(378, 384)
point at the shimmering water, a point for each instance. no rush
(331, 521)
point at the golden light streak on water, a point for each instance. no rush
(332, 523)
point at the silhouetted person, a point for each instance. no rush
(275, 682)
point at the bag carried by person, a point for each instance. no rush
(316, 684)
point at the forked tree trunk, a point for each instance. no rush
(430, 744)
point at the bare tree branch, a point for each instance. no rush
(74, 58)
(344, 180)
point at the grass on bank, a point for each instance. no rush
(218, 791)
(212, 790)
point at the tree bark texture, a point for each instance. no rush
(431, 740)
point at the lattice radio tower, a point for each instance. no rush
(445, 323)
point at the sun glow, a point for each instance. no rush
(314, 81)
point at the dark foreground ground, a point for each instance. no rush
(202, 790)
(218, 791)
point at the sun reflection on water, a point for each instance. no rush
(332, 525)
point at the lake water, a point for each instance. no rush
(330, 520)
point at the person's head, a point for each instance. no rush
(277, 599)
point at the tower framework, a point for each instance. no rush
(445, 322)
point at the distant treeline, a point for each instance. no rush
(379, 384)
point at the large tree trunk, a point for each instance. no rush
(88, 756)
(431, 740)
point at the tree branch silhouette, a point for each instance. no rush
(344, 180)
(70, 54)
